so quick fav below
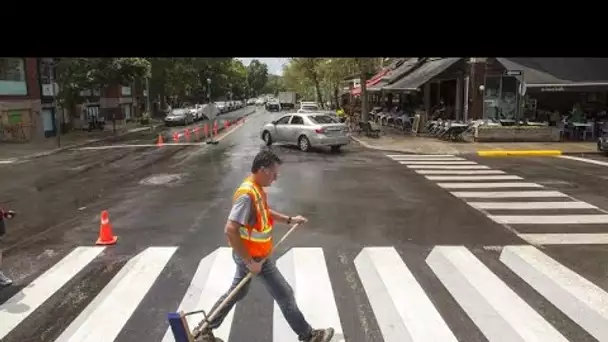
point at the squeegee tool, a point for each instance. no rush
(179, 324)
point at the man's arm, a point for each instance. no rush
(239, 216)
(278, 216)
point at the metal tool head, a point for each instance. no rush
(179, 327)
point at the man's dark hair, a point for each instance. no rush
(264, 159)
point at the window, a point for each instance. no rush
(322, 119)
(284, 120)
(12, 77)
(297, 120)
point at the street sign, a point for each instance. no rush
(513, 73)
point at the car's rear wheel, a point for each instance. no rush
(267, 138)
(304, 144)
(336, 148)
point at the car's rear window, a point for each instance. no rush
(322, 119)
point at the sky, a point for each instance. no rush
(275, 65)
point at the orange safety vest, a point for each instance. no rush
(258, 238)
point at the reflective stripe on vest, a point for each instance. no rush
(249, 233)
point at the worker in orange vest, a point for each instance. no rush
(249, 231)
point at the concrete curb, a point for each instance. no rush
(503, 153)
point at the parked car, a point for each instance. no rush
(179, 116)
(260, 102)
(250, 102)
(306, 130)
(273, 105)
(222, 107)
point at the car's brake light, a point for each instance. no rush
(320, 130)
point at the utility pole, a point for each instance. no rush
(58, 118)
(148, 102)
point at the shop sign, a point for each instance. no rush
(552, 89)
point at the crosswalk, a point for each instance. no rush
(527, 207)
(404, 307)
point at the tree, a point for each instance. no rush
(334, 70)
(366, 66)
(257, 77)
(76, 74)
(310, 68)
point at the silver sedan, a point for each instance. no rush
(306, 130)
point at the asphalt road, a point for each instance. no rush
(389, 254)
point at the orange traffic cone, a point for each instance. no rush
(106, 237)
(159, 143)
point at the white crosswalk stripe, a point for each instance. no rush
(403, 307)
(502, 197)
(106, 315)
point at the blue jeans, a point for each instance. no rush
(279, 289)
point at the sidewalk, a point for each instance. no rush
(19, 150)
(427, 145)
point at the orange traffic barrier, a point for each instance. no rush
(106, 236)
(159, 143)
(215, 128)
(175, 137)
(187, 134)
(206, 130)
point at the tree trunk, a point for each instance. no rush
(318, 90)
(336, 97)
(364, 111)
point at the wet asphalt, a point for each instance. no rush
(353, 199)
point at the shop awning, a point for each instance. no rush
(372, 81)
(561, 74)
(422, 74)
(399, 70)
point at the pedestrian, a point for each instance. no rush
(249, 231)
(4, 215)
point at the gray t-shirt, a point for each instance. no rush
(243, 211)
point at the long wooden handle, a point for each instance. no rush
(203, 324)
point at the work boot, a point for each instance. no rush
(4, 280)
(321, 335)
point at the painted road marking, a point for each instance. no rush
(402, 309)
(221, 136)
(549, 219)
(106, 147)
(212, 279)
(508, 194)
(585, 160)
(429, 159)
(419, 156)
(566, 239)
(449, 167)
(306, 272)
(459, 172)
(103, 319)
(584, 302)
(531, 205)
(26, 301)
(445, 162)
(472, 178)
(497, 310)
(7, 161)
(488, 185)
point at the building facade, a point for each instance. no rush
(20, 106)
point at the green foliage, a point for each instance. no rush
(76, 74)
